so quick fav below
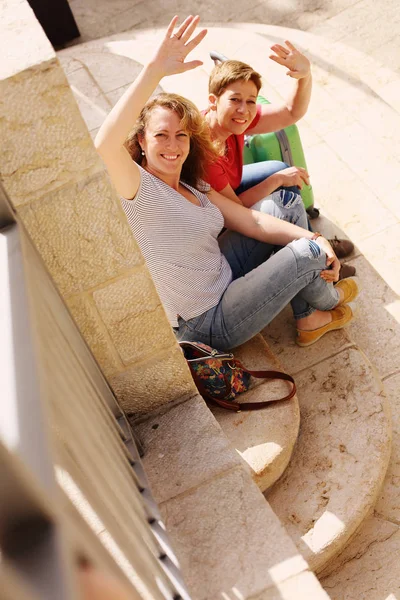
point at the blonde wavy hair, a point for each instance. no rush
(202, 152)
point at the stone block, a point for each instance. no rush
(45, 143)
(227, 539)
(82, 234)
(153, 383)
(96, 335)
(183, 448)
(341, 458)
(134, 316)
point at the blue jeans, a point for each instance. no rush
(265, 279)
(255, 173)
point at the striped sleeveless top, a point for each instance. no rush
(179, 243)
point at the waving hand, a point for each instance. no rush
(288, 56)
(171, 54)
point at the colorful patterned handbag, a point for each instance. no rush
(220, 377)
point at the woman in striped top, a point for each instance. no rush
(218, 289)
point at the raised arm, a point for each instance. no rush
(267, 228)
(169, 59)
(276, 116)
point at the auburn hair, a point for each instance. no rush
(202, 151)
(230, 71)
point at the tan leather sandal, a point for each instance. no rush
(341, 316)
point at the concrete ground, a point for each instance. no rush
(351, 136)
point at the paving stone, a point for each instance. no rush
(391, 201)
(346, 203)
(388, 505)
(390, 93)
(324, 110)
(92, 103)
(382, 251)
(376, 330)
(309, 136)
(107, 70)
(95, 19)
(183, 448)
(341, 457)
(213, 527)
(264, 439)
(373, 165)
(348, 22)
(384, 122)
(369, 567)
(371, 32)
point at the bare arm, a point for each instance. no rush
(275, 117)
(293, 176)
(168, 59)
(267, 228)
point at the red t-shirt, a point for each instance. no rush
(228, 168)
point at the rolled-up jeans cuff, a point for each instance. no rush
(305, 314)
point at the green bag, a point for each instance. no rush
(284, 145)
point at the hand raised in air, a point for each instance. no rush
(288, 56)
(171, 54)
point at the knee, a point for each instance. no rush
(288, 199)
(308, 253)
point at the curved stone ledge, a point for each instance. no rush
(264, 439)
(341, 457)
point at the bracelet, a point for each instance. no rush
(316, 235)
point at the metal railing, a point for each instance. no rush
(72, 484)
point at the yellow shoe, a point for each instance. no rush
(350, 289)
(341, 315)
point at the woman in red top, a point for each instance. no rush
(234, 112)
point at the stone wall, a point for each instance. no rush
(59, 188)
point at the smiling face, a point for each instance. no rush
(165, 143)
(235, 107)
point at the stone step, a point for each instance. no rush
(228, 540)
(264, 439)
(343, 449)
